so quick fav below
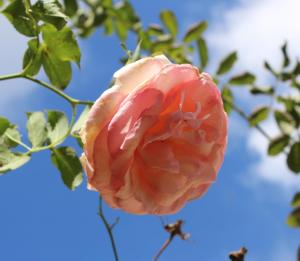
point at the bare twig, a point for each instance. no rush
(238, 255)
(109, 229)
(173, 230)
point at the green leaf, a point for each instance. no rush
(242, 79)
(227, 97)
(293, 219)
(61, 44)
(278, 144)
(227, 63)
(258, 115)
(16, 14)
(81, 120)
(71, 7)
(108, 26)
(163, 43)
(286, 59)
(57, 125)
(296, 200)
(270, 69)
(50, 11)
(155, 29)
(58, 72)
(32, 60)
(67, 162)
(284, 121)
(10, 161)
(4, 125)
(12, 132)
(203, 52)
(121, 30)
(195, 31)
(259, 90)
(168, 18)
(37, 128)
(293, 158)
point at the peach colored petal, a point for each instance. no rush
(133, 75)
(156, 139)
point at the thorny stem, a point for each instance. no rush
(108, 229)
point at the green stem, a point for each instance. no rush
(18, 142)
(10, 76)
(71, 100)
(57, 91)
(245, 117)
(108, 229)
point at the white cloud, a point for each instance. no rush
(256, 29)
(15, 94)
(270, 169)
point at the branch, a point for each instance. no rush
(245, 117)
(50, 87)
(108, 229)
(173, 230)
(238, 255)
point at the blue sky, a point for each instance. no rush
(42, 220)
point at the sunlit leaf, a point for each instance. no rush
(58, 72)
(10, 161)
(37, 128)
(4, 125)
(293, 159)
(162, 43)
(32, 60)
(293, 219)
(242, 79)
(9, 137)
(81, 120)
(227, 97)
(71, 7)
(284, 121)
(227, 63)
(16, 14)
(258, 115)
(57, 125)
(67, 162)
(203, 52)
(262, 90)
(278, 144)
(195, 31)
(168, 18)
(61, 44)
(155, 29)
(270, 69)
(296, 200)
(50, 11)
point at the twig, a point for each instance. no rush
(238, 255)
(245, 117)
(173, 230)
(108, 229)
(47, 86)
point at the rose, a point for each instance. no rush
(156, 139)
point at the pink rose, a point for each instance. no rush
(156, 139)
